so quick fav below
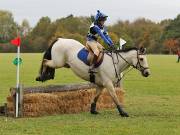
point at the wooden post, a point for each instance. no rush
(58, 88)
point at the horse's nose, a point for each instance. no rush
(146, 73)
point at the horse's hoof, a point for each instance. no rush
(124, 114)
(38, 78)
(94, 112)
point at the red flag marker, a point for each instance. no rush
(16, 41)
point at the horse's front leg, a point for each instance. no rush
(93, 104)
(109, 86)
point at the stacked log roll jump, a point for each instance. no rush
(59, 99)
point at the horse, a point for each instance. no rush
(63, 53)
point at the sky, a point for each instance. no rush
(33, 10)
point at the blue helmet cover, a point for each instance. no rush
(100, 15)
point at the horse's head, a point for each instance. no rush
(140, 62)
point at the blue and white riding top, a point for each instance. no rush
(95, 31)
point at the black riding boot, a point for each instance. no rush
(92, 67)
(92, 70)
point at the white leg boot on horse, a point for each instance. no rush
(109, 86)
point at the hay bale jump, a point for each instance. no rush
(59, 99)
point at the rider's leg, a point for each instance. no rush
(100, 47)
(91, 68)
(94, 47)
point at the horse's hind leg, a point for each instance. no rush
(109, 86)
(47, 71)
(93, 104)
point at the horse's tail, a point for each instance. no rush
(46, 73)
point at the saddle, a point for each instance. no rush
(87, 57)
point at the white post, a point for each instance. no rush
(17, 81)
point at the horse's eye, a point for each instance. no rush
(141, 59)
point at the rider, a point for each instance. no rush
(97, 29)
(178, 54)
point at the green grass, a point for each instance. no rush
(153, 103)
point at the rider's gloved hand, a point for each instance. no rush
(112, 47)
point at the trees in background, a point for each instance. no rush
(8, 30)
(163, 37)
(171, 35)
(141, 32)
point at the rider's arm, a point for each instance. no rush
(98, 30)
(107, 37)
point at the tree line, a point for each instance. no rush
(162, 37)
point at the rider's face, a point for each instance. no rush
(102, 22)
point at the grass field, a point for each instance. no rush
(153, 103)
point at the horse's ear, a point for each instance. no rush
(142, 50)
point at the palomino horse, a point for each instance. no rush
(63, 53)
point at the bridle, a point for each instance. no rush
(141, 68)
(138, 65)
